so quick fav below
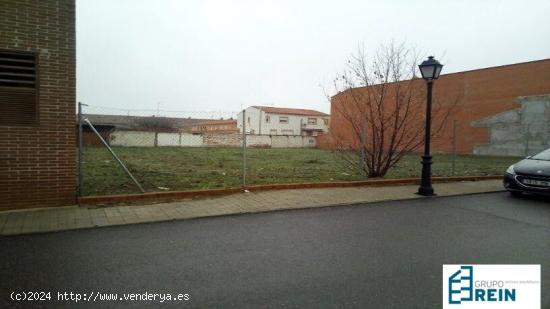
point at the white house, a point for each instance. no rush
(266, 120)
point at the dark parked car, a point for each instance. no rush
(531, 175)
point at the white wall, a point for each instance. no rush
(294, 124)
(147, 139)
(296, 141)
(132, 138)
(179, 139)
(168, 139)
(252, 127)
(258, 140)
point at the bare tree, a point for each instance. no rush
(381, 108)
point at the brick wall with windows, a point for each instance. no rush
(37, 103)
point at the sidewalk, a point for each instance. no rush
(78, 217)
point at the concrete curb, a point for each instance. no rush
(252, 212)
(112, 199)
(71, 218)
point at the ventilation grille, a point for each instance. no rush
(17, 70)
(18, 88)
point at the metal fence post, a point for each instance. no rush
(114, 155)
(454, 149)
(527, 135)
(363, 145)
(80, 150)
(244, 149)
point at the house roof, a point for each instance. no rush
(290, 111)
(138, 122)
(219, 121)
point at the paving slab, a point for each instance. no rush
(77, 217)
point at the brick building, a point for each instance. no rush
(484, 93)
(215, 126)
(37, 103)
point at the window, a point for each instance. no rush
(267, 118)
(325, 120)
(545, 155)
(248, 120)
(18, 88)
(283, 119)
(287, 132)
(312, 121)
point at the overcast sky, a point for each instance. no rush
(224, 55)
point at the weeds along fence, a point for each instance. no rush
(131, 151)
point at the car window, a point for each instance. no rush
(545, 155)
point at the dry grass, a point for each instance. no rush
(185, 168)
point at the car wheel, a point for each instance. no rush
(516, 193)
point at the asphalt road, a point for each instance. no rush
(381, 255)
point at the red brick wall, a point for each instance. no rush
(483, 92)
(37, 163)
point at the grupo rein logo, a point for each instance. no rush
(491, 286)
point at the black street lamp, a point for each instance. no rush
(430, 70)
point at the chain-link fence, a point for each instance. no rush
(161, 150)
(453, 161)
(127, 151)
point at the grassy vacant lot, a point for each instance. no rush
(171, 168)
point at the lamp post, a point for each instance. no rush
(430, 70)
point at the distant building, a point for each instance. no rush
(264, 120)
(215, 126)
(106, 124)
